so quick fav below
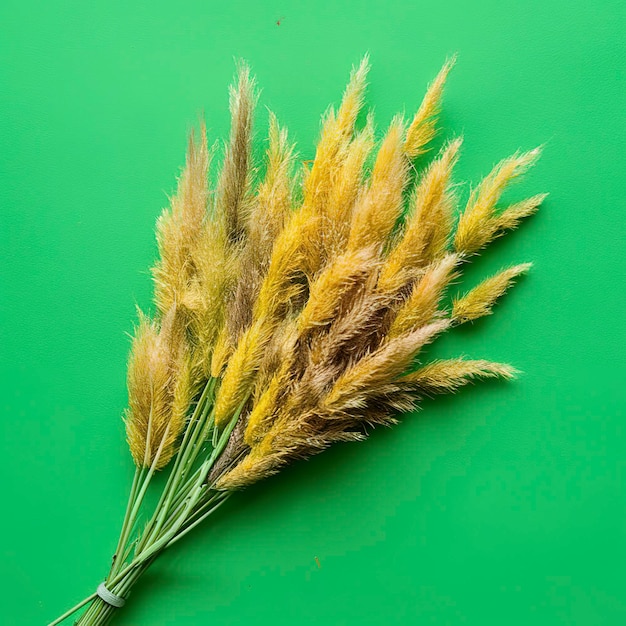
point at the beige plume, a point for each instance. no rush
(159, 391)
(233, 187)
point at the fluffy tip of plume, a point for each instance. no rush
(353, 97)
(446, 376)
(480, 223)
(479, 301)
(423, 128)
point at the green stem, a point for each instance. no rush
(187, 447)
(185, 502)
(129, 521)
(119, 550)
(73, 610)
(190, 526)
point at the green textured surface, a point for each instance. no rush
(503, 505)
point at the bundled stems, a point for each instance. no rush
(185, 502)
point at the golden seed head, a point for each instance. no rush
(423, 128)
(480, 300)
(160, 390)
(447, 376)
(479, 224)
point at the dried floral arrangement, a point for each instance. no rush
(291, 306)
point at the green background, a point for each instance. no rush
(505, 504)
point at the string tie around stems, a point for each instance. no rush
(109, 597)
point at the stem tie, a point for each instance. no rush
(110, 598)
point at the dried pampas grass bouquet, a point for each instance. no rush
(291, 303)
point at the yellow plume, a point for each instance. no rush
(380, 206)
(447, 376)
(479, 224)
(423, 128)
(421, 306)
(480, 300)
(428, 226)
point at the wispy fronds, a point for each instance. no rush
(380, 206)
(309, 317)
(179, 228)
(291, 311)
(319, 310)
(233, 188)
(422, 304)
(447, 376)
(480, 223)
(159, 391)
(428, 225)
(423, 127)
(480, 300)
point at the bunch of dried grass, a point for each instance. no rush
(291, 306)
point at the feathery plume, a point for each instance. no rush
(353, 97)
(340, 278)
(233, 187)
(157, 357)
(239, 375)
(423, 127)
(480, 300)
(179, 227)
(510, 217)
(217, 269)
(428, 225)
(264, 409)
(422, 304)
(380, 206)
(479, 224)
(446, 376)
